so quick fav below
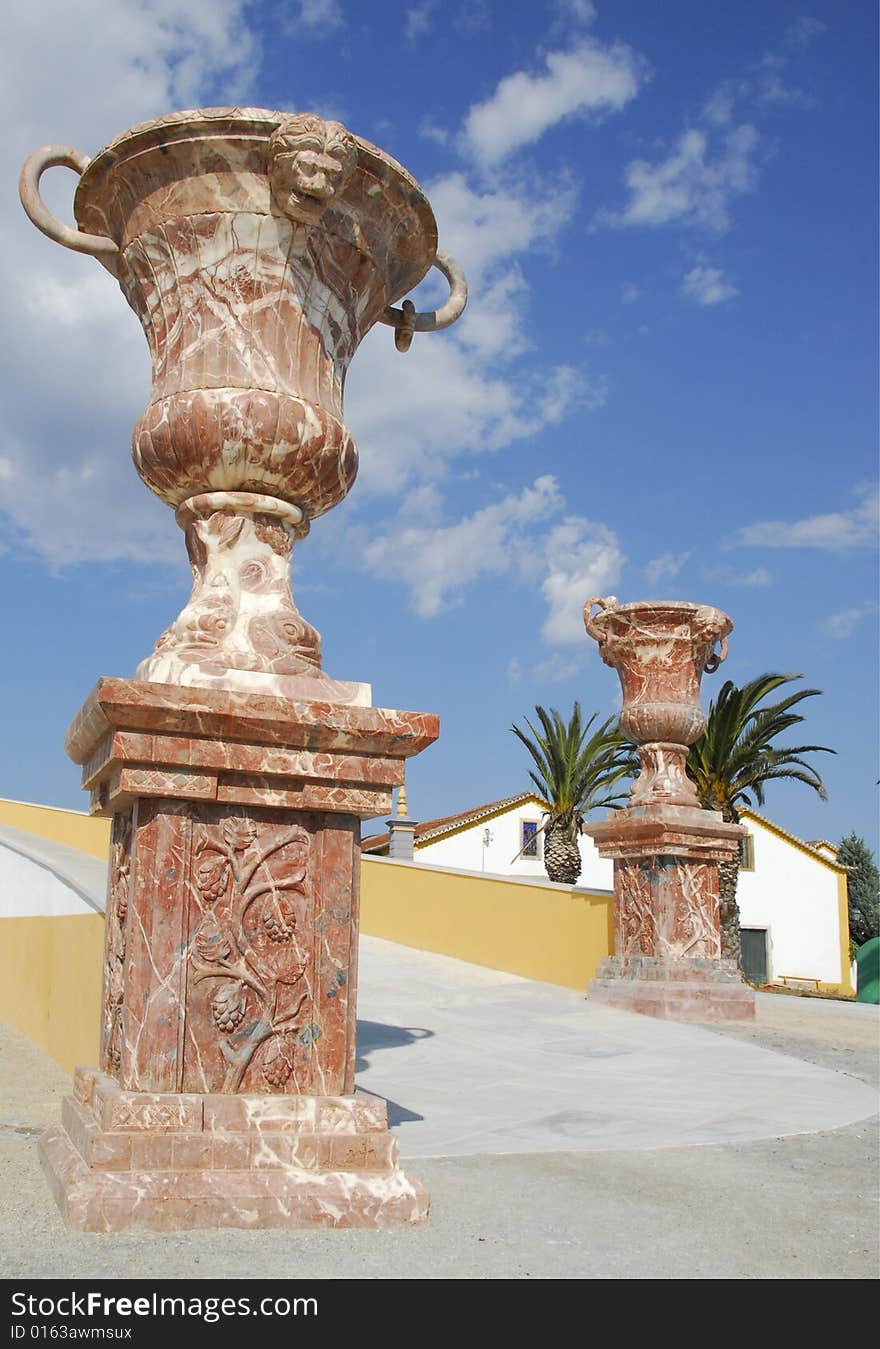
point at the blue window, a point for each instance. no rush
(529, 842)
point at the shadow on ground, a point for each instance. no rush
(373, 1035)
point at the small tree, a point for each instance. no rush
(863, 885)
(735, 758)
(576, 772)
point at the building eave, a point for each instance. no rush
(798, 843)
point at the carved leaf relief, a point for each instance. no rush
(248, 888)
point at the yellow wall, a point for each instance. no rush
(537, 931)
(51, 968)
(846, 983)
(85, 832)
(50, 983)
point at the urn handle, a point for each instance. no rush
(407, 321)
(712, 627)
(51, 156)
(716, 658)
(598, 634)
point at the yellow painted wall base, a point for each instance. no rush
(538, 931)
(51, 968)
(87, 833)
(50, 983)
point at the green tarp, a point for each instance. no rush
(868, 965)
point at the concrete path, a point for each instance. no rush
(557, 1140)
(474, 1061)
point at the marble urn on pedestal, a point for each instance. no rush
(257, 249)
(666, 849)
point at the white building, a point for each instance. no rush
(792, 895)
(793, 906)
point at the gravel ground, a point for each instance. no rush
(803, 1206)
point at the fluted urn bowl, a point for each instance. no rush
(257, 248)
(660, 650)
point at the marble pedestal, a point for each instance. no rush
(183, 1160)
(667, 960)
(225, 1093)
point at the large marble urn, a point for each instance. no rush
(257, 249)
(660, 650)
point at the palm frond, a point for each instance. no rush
(736, 755)
(579, 763)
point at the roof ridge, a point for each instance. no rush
(443, 822)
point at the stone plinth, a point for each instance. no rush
(667, 960)
(679, 990)
(171, 1160)
(230, 971)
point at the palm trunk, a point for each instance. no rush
(562, 856)
(728, 876)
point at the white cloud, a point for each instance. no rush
(708, 285)
(844, 623)
(570, 560)
(694, 185)
(629, 293)
(411, 415)
(759, 576)
(668, 564)
(590, 78)
(855, 528)
(439, 563)
(729, 576)
(802, 32)
(80, 75)
(763, 88)
(556, 669)
(582, 558)
(424, 504)
(430, 130)
(494, 327)
(418, 19)
(484, 229)
(514, 672)
(451, 394)
(580, 12)
(66, 459)
(319, 16)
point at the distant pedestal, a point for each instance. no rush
(667, 960)
(225, 1089)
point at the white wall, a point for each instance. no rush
(796, 898)
(39, 876)
(467, 850)
(28, 889)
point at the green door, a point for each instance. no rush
(755, 962)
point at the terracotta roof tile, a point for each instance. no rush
(446, 822)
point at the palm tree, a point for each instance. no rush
(577, 772)
(734, 759)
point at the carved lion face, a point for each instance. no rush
(310, 162)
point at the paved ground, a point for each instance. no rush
(558, 1139)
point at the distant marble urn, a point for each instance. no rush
(660, 650)
(257, 249)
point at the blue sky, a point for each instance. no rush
(663, 387)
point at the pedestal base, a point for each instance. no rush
(176, 1161)
(680, 990)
